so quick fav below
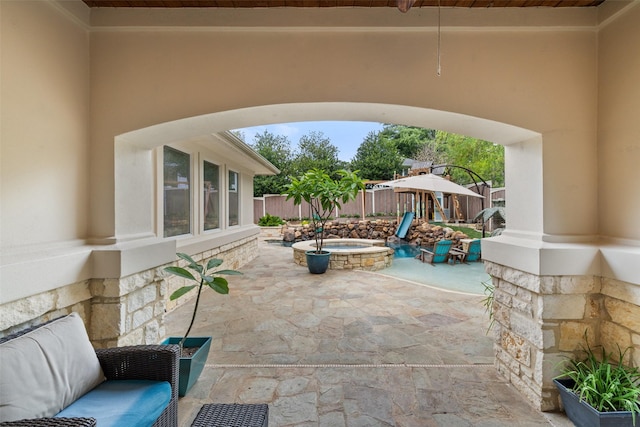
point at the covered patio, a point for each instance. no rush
(91, 96)
(350, 348)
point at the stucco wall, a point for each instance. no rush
(527, 79)
(44, 173)
(540, 79)
(619, 127)
(48, 176)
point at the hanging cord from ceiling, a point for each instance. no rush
(404, 6)
(438, 72)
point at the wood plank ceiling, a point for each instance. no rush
(338, 3)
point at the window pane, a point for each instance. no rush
(177, 200)
(233, 198)
(211, 196)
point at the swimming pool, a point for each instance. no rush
(465, 278)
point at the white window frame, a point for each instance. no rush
(198, 156)
(221, 195)
(160, 193)
(239, 199)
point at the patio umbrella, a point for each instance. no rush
(486, 214)
(428, 182)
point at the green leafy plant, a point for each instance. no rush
(604, 382)
(487, 302)
(270, 221)
(323, 194)
(203, 276)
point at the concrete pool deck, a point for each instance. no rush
(349, 348)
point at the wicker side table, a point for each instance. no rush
(232, 415)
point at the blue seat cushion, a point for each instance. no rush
(130, 403)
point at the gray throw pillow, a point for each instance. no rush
(47, 369)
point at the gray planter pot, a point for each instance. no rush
(584, 415)
(318, 263)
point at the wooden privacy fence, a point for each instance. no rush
(378, 202)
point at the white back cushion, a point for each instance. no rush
(45, 370)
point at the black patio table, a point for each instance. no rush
(232, 415)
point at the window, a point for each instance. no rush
(211, 199)
(234, 202)
(198, 192)
(177, 193)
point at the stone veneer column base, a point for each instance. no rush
(541, 320)
(538, 321)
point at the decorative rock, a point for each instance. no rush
(419, 234)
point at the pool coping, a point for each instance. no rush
(375, 256)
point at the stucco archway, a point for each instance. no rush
(132, 149)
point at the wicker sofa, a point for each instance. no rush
(156, 365)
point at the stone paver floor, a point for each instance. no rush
(349, 348)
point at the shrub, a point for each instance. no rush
(270, 221)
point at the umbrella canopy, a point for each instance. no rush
(486, 214)
(428, 182)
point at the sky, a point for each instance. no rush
(347, 136)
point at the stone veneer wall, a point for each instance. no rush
(420, 233)
(125, 311)
(41, 308)
(540, 320)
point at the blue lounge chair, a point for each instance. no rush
(472, 253)
(440, 252)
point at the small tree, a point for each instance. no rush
(218, 284)
(324, 195)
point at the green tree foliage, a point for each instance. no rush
(276, 149)
(439, 147)
(408, 140)
(432, 152)
(483, 157)
(379, 155)
(315, 151)
(377, 158)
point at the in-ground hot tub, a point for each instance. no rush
(357, 254)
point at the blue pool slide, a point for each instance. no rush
(402, 230)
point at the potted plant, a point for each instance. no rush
(324, 194)
(194, 350)
(600, 391)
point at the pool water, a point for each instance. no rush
(403, 250)
(344, 247)
(467, 278)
